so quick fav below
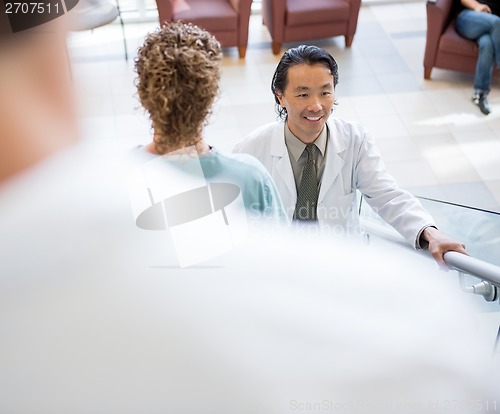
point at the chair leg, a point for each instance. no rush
(427, 73)
(242, 51)
(348, 41)
(123, 30)
(276, 48)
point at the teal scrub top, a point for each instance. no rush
(258, 190)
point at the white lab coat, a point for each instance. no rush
(352, 163)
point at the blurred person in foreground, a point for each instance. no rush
(36, 110)
(96, 318)
(318, 162)
(178, 73)
(480, 21)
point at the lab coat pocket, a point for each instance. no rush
(336, 209)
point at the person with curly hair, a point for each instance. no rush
(178, 73)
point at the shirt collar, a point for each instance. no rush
(297, 147)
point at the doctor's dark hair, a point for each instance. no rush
(310, 55)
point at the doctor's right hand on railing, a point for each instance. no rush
(439, 244)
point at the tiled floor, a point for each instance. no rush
(434, 141)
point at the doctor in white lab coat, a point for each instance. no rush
(346, 158)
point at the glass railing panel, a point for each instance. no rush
(478, 229)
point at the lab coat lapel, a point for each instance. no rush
(282, 169)
(334, 162)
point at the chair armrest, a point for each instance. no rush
(354, 6)
(439, 14)
(274, 18)
(241, 6)
(438, 18)
(165, 10)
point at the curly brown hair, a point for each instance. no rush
(178, 70)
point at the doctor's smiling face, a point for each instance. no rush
(308, 97)
(304, 90)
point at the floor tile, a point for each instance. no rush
(126, 104)
(411, 102)
(351, 86)
(247, 92)
(391, 12)
(385, 126)
(376, 48)
(416, 10)
(123, 84)
(223, 117)
(97, 127)
(96, 105)
(345, 108)
(438, 146)
(88, 84)
(223, 139)
(453, 170)
(398, 82)
(399, 149)
(424, 122)
(132, 125)
(235, 75)
(483, 150)
(389, 65)
(372, 105)
(411, 173)
(352, 67)
(370, 30)
(255, 114)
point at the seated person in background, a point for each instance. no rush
(178, 70)
(318, 164)
(480, 21)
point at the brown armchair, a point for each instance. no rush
(444, 47)
(227, 20)
(296, 20)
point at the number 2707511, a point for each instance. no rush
(31, 8)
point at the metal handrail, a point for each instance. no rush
(472, 266)
(460, 262)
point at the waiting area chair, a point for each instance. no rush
(444, 47)
(297, 20)
(227, 20)
(91, 14)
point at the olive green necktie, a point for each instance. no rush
(307, 195)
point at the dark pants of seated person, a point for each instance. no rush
(484, 28)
